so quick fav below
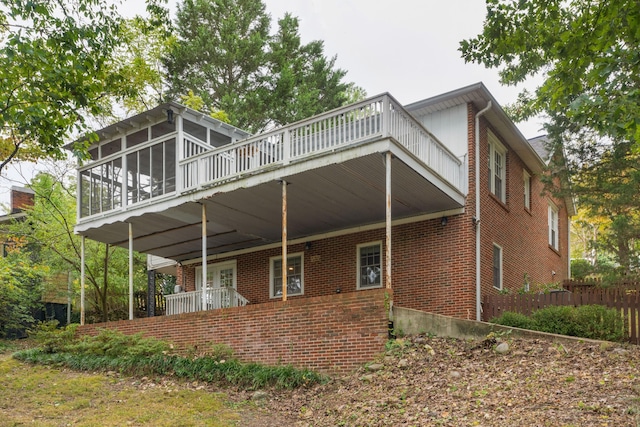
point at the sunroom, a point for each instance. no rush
(177, 184)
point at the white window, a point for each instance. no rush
(553, 226)
(497, 168)
(295, 275)
(369, 265)
(497, 267)
(526, 178)
(220, 275)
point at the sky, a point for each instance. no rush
(408, 48)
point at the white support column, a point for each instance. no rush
(204, 256)
(82, 278)
(284, 240)
(388, 221)
(130, 271)
(179, 153)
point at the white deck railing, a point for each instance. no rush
(188, 302)
(200, 165)
(380, 117)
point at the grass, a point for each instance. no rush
(46, 396)
(49, 390)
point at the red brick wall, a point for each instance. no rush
(522, 233)
(334, 333)
(433, 266)
(21, 199)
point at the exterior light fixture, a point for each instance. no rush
(444, 221)
(307, 246)
(170, 116)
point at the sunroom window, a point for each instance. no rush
(151, 171)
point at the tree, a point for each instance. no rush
(225, 55)
(586, 51)
(587, 56)
(219, 55)
(55, 69)
(608, 188)
(138, 60)
(49, 229)
(302, 82)
(20, 290)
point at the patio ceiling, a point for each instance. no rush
(327, 198)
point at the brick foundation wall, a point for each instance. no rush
(331, 334)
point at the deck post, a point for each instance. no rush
(82, 278)
(130, 271)
(388, 222)
(284, 240)
(204, 256)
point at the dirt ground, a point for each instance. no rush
(424, 381)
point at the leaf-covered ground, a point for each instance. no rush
(424, 381)
(419, 381)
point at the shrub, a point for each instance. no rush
(134, 355)
(517, 320)
(558, 319)
(51, 338)
(601, 323)
(113, 343)
(587, 321)
(581, 269)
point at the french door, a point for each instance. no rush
(221, 275)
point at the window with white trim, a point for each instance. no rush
(497, 168)
(497, 267)
(553, 226)
(526, 178)
(295, 275)
(369, 265)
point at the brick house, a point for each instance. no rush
(313, 231)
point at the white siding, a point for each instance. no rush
(450, 127)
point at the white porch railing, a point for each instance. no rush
(188, 302)
(379, 117)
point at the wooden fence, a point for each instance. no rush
(140, 304)
(625, 298)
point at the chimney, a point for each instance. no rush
(21, 198)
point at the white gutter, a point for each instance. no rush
(476, 221)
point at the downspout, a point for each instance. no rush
(568, 277)
(476, 219)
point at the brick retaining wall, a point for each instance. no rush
(331, 334)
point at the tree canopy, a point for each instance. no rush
(55, 70)
(225, 55)
(587, 55)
